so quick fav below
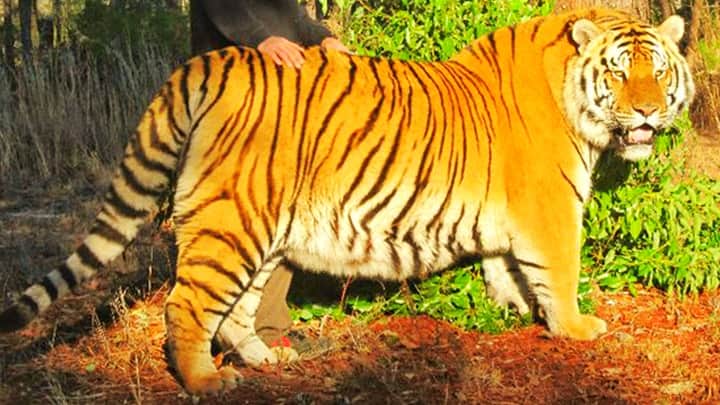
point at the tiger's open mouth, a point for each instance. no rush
(642, 135)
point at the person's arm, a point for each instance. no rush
(313, 32)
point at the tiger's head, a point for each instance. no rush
(628, 82)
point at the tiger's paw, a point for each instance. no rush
(585, 327)
(255, 352)
(223, 380)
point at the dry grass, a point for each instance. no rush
(705, 110)
(70, 115)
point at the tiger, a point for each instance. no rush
(380, 168)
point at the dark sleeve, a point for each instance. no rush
(236, 21)
(310, 31)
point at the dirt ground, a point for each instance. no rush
(659, 349)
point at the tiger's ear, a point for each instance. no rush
(673, 28)
(583, 31)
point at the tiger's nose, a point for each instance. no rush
(645, 109)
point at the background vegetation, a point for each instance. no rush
(76, 76)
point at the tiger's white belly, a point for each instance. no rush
(383, 252)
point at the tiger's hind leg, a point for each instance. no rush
(212, 281)
(237, 331)
(190, 328)
(505, 284)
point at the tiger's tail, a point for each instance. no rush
(138, 187)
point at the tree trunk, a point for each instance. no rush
(8, 34)
(9, 44)
(57, 19)
(25, 8)
(666, 9)
(639, 8)
(43, 17)
(706, 105)
(698, 10)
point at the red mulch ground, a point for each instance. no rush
(658, 349)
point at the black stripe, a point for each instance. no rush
(147, 162)
(512, 42)
(134, 183)
(579, 153)
(326, 121)
(408, 239)
(189, 309)
(121, 206)
(563, 35)
(206, 76)
(536, 29)
(530, 264)
(211, 263)
(29, 303)
(491, 40)
(379, 86)
(231, 240)
(361, 172)
(273, 146)
(67, 275)
(17, 316)
(374, 211)
(155, 141)
(389, 160)
(218, 312)
(303, 129)
(209, 291)
(50, 288)
(488, 171)
(167, 98)
(572, 185)
(454, 229)
(221, 90)
(88, 258)
(184, 89)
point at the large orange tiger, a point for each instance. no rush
(381, 168)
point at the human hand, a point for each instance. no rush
(334, 43)
(282, 51)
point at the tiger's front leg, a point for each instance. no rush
(548, 255)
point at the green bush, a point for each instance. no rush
(427, 30)
(661, 227)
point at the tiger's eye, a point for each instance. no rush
(618, 74)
